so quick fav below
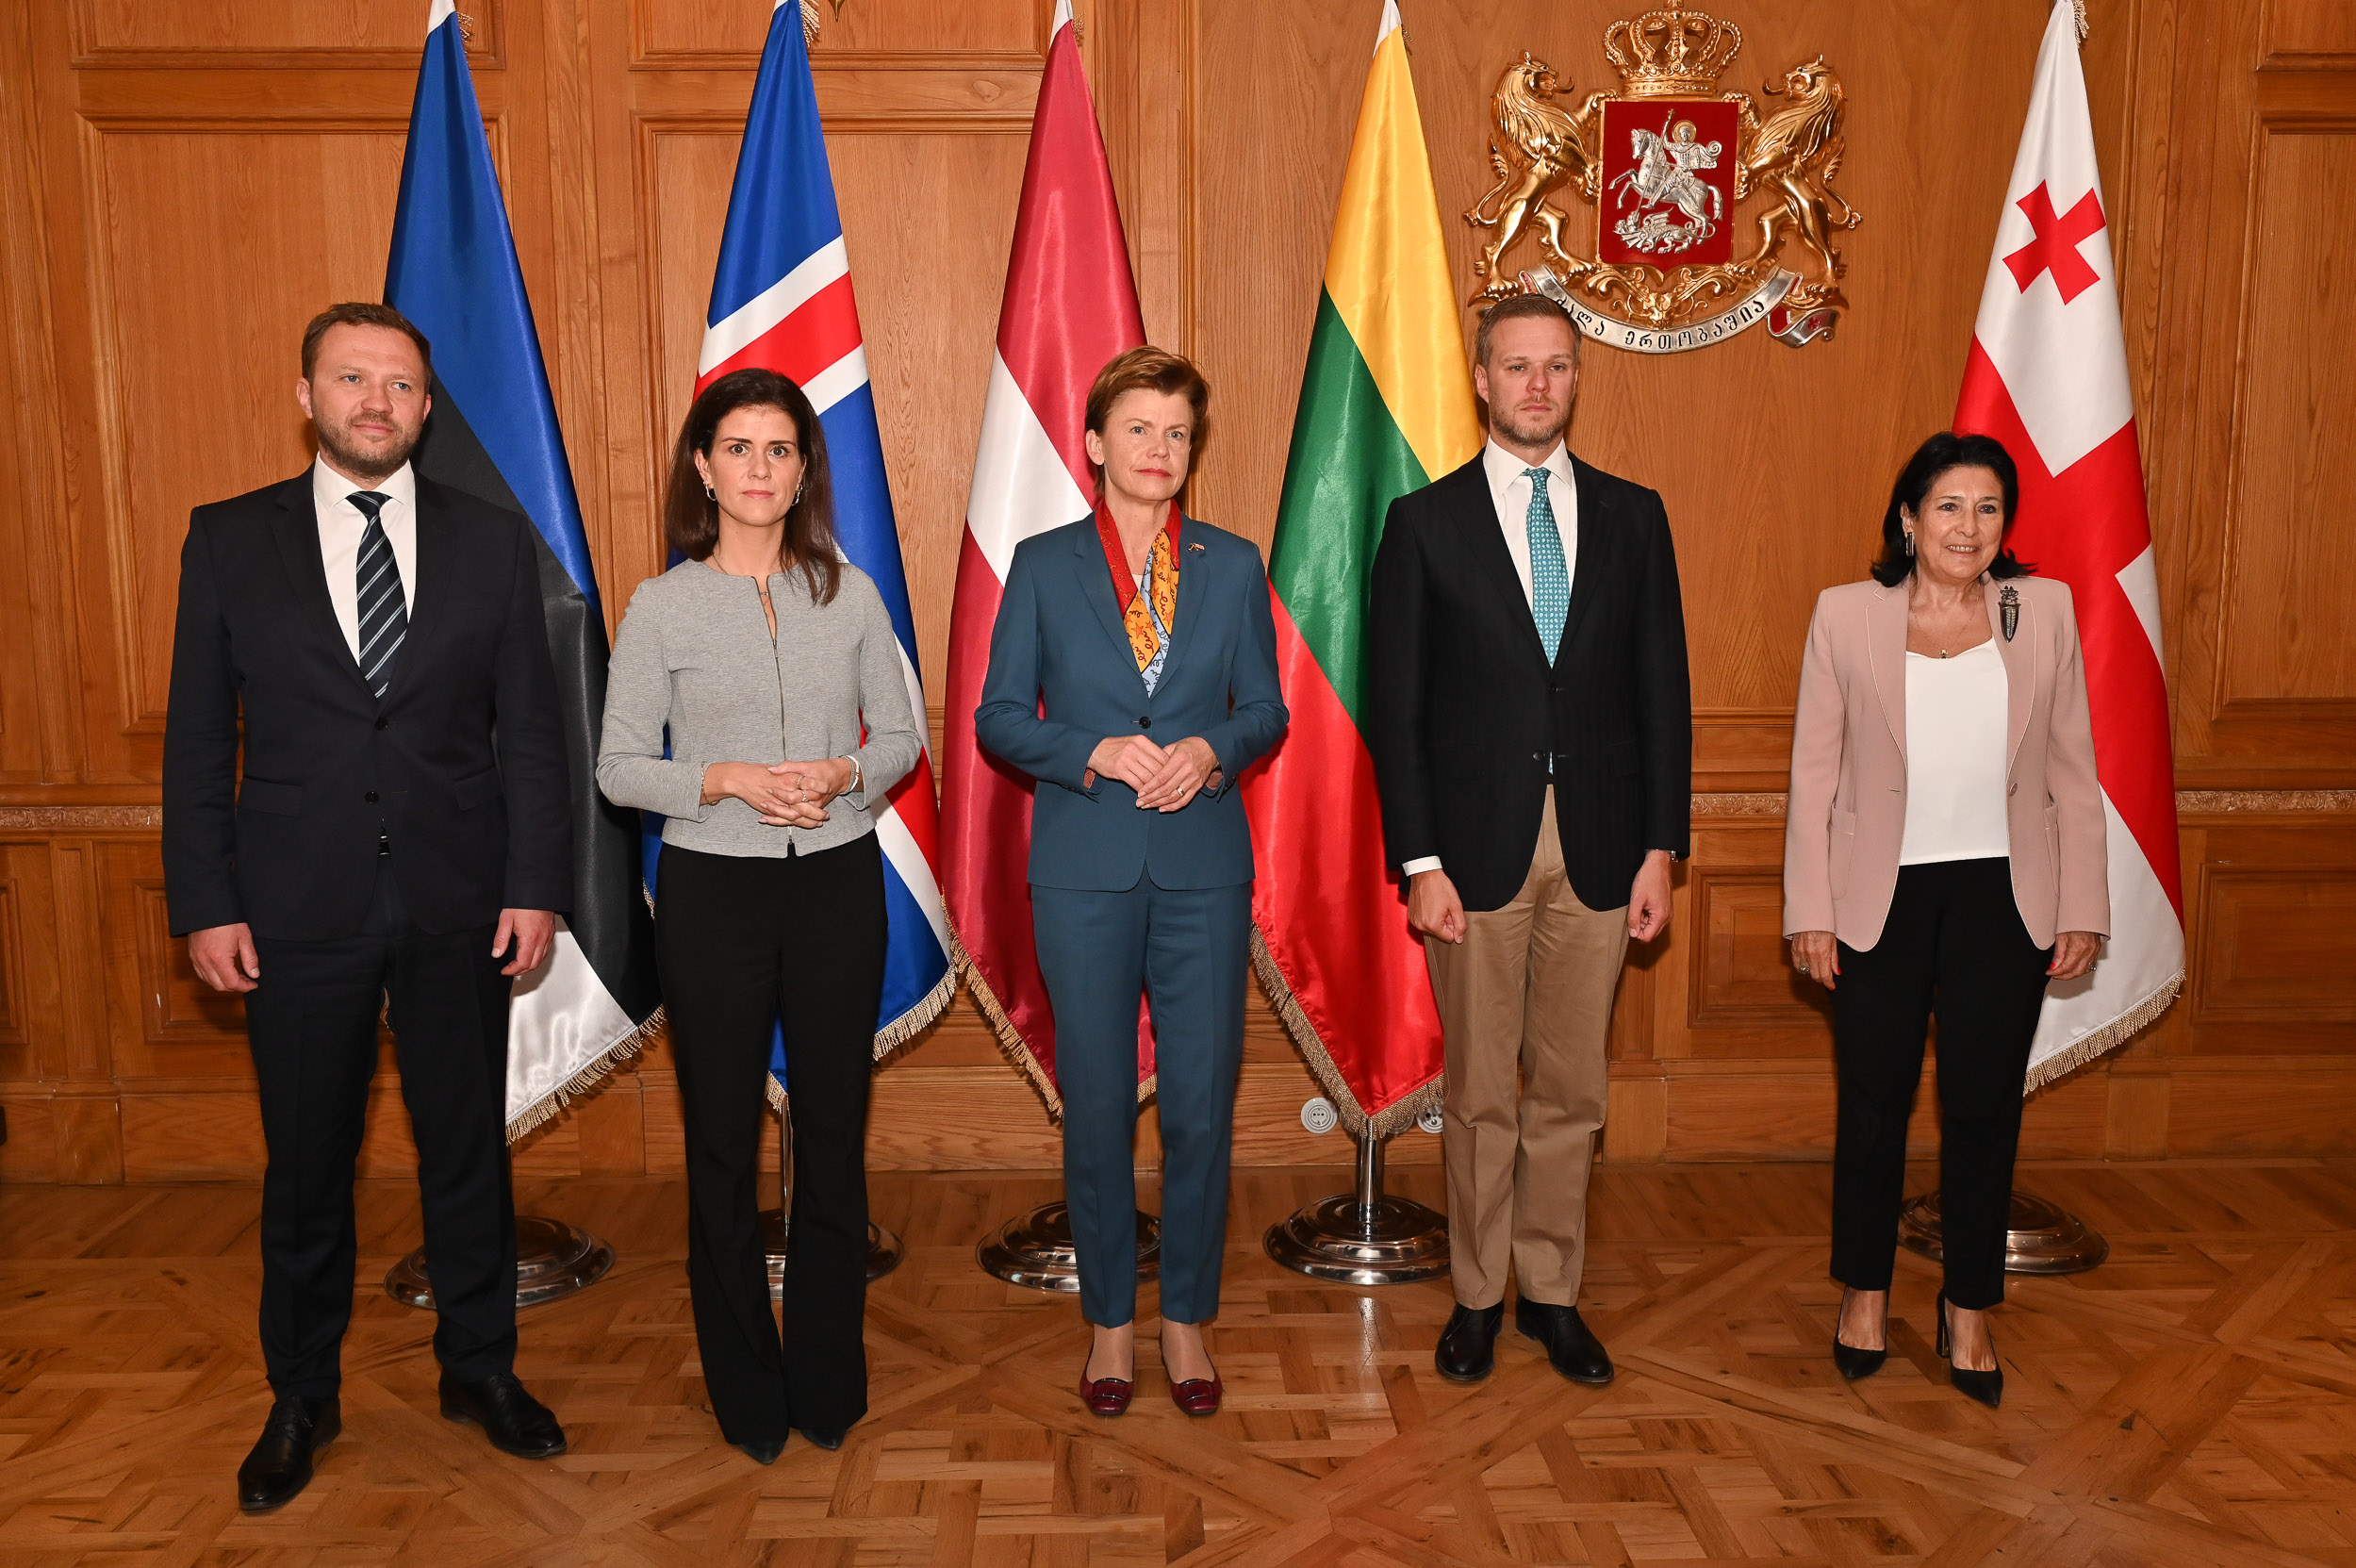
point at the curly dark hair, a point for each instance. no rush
(1934, 457)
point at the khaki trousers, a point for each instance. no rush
(1525, 1003)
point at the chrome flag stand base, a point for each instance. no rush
(2041, 1237)
(1365, 1237)
(883, 1249)
(552, 1261)
(1035, 1250)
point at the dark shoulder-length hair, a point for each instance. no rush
(691, 519)
(1934, 457)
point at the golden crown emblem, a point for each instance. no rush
(1672, 54)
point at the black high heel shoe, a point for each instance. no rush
(1853, 1363)
(1986, 1387)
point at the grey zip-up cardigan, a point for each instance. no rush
(695, 654)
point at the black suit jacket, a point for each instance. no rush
(462, 764)
(1466, 710)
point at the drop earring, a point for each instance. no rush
(1909, 541)
(710, 494)
(796, 501)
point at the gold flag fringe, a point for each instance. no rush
(1010, 1039)
(2095, 1042)
(552, 1104)
(1400, 1113)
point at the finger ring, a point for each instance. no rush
(1803, 968)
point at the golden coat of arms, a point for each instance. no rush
(1664, 164)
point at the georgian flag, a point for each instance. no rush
(782, 301)
(2047, 377)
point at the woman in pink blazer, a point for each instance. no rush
(1943, 853)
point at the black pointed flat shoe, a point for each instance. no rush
(764, 1450)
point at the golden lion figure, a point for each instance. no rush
(1548, 147)
(1793, 157)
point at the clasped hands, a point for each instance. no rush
(787, 794)
(1164, 777)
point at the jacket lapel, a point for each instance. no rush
(1596, 540)
(1094, 574)
(1191, 569)
(296, 529)
(1885, 651)
(1485, 543)
(2020, 669)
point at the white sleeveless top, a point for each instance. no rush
(1957, 712)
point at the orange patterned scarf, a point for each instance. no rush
(1162, 584)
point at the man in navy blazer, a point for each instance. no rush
(366, 812)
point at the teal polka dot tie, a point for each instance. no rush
(1550, 579)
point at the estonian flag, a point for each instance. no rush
(493, 434)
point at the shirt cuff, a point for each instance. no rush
(1421, 865)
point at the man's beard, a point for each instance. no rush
(371, 468)
(1534, 433)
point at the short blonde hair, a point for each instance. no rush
(1148, 370)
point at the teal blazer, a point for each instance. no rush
(1062, 678)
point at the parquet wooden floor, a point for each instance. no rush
(2194, 1401)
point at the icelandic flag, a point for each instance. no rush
(493, 434)
(782, 301)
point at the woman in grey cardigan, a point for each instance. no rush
(763, 653)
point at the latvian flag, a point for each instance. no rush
(1070, 306)
(782, 301)
(2047, 377)
(493, 434)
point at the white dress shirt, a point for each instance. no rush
(1510, 487)
(1509, 490)
(340, 525)
(1957, 710)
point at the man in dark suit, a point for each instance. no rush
(401, 829)
(1533, 741)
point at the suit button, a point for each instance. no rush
(1144, 721)
(384, 723)
(1555, 687)
(1538, 756)
(371, 796)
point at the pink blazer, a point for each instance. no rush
(1847, 813)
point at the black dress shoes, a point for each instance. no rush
(1853, 1360)
(1570, 1346)
(1468, 1346)
(764, 1450)
(515, 1422)
(825, 1440)
(280, 1466)
(1986, 1387)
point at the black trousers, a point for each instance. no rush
(311, 1022)
(741, 941)
(1954, 945)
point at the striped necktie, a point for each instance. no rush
(1550, 579)
(384, 613)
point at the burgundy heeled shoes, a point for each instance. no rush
(1104, 1395)
(1196, 1395)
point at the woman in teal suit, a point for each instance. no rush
(1134, 674)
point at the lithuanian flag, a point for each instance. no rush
(1386, 407)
